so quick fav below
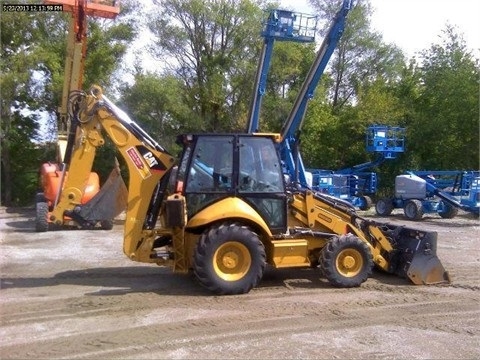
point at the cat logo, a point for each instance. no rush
(151, 161)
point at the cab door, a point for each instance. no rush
(260, 180)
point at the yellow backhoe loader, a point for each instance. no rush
(225, 209)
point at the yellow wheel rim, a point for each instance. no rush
(232, 261)
(349, 262)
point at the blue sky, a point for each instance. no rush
(415, 25)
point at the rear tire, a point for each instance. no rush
(41, 217)
(40, 197)
(384, 207)
(449, 211)
(413, 210)
(106, 224)
(346, 261)
(366, 203)
(229, 259)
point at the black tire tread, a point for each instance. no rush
(450, 213)
(206, 246)
(368, 203)
(419, 210)
(106, 224)
(41, 214)
(328, 256)
(388, 207)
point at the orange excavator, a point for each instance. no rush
(53, 174)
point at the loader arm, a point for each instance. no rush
(403, 251)
(148, 164)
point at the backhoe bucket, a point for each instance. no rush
(415, 255)
(109, 202)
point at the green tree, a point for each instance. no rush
(361, 55)
(157, 103)
(289, 66)
(210, 46)
(19, 101)
(444, 134)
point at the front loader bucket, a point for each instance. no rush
(415, 255)
(427, 269)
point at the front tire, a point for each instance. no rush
(229, 259)
(346, 261)
(384, 207)
(41, 216)
(413, 210)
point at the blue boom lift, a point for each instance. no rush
(281, 25)
(353, 184)
(285, 26)
(440, 192)
(289, 150)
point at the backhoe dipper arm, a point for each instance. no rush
(147, 163)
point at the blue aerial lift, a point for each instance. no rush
(281, 25)
(426, 192)
(356, 184)
(353, 184)
(284, 25)
(289, 147)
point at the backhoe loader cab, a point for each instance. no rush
(217, 167)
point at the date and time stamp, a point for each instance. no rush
(30, 8)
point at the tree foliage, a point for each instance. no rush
(444, 134)
(158, 103)
(210, 46)
(289, 67)
(19, 100)
(361, 55)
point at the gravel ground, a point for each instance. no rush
(71, 294)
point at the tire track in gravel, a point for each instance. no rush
(204, 322)
(90, 307)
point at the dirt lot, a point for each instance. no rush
(73, 295)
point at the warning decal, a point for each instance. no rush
(138, 161)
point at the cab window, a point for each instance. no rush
(259, 166)
(211, 165)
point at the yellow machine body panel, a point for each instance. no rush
(290, 253)
(229, 208)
